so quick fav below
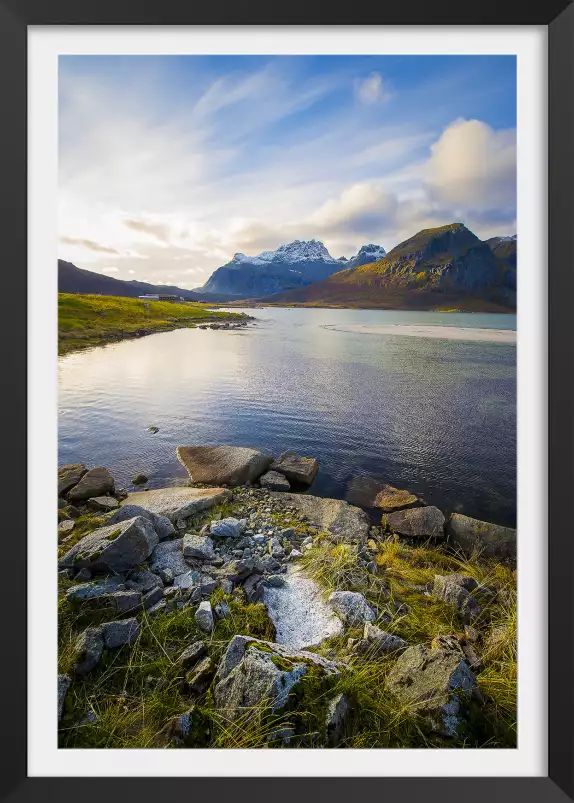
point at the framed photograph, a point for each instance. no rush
(298, 358)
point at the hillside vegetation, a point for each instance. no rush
(88, 320)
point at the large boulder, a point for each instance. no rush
(274, 481)
(254, 673)
(176, 503)
(298, 469)
(161, 524)
(418, 522)
(491, 539)
(433, 684)
(114, 548)
(352, 607)
(95, 482)
(68, 476)
(223, 465)
(343, 521)
(369, 492)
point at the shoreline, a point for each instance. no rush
(433, 331)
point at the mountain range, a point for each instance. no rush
(445, 267)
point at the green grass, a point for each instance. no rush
(88, 320)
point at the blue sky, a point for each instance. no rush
(171, 164)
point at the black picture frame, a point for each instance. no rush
(558, 15)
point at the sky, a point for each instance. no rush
(169, 165)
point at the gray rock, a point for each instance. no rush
(343, 521)
(65, 527)
(223, 465)
(95, 482)
(274, 481)
(253, 588)
(275, 581)
(68, 476)
(352, 607)
(177, 503)
(204, 616)
(83, 576)
(166, 575)
(226, 528)
(449, 589)
(237, 570)
(152, 597)
(256, 673)
(161, 524)
(187, 580)
(337, 719)
(296, 468)
(198, 546)
(221, 610)
(124, 631)
(418, 522)
(192, 654)
(491, 539)
(100, 588)
(176, 730)
(63, 686)
(158, 608)
(294, 554)
(362, 490)
(103, 504)
(199, 678)
(144, 581)
(114, 548)
(169, 555)
(433, 684)
(89, 648)
(125, 601)
(139, 479)
(382, 643)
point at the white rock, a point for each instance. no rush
(204, 616)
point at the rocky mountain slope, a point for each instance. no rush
(366, 255)
(72, 279)
(443, 267)
(296, 264)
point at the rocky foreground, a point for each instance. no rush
(233, 612)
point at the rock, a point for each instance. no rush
(382, 643)
(144, 581)
(294, 554)
(222, 610)
(296, 468)
(89, 648)
(83, 576)
(65, 527)
(187, 580)
(237, 570)
(362, 490)
(161, 524)
(175, 732)
(166, 575)
(105, 504)
(169, 555)
(255, 673)
(153, 430)
(449, 590)
(274, 481)
(63, 686)
(152, 597)
(491, 539)
(124, 631)
(125, 601)
(253, 588)
(139, 479)
(337, 719)
(114, 548)
(352, 607)
(159, 607)
(100, 588)
(390, 499)
(68, 476)
(433, 684)
(223, 465)
(448, 643)
(204, 616)
(191, 655)
(176, 503)
(198, 546)
(343, 521)
(275, 581)
(199, 678)
(298, 611)
(418, 522)
(226, 528)
(95, 482)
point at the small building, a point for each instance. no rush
(160, 297)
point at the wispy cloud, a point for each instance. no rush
(371, 89)
(90, 245)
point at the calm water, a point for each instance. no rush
(435, 416)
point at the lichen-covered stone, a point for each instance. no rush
(114, 548)
(352, 607)
(176, 503)
(491, 540)
(418, 522)
(342, 521)
(68, 476)
(296, 468)
(433, 684)
(161, 524)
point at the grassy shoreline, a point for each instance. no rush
(94, 320)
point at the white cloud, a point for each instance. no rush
(371, 90)
(110, 270)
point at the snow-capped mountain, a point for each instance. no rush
(293, 265)
(366, 255)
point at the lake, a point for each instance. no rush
(364, 391)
